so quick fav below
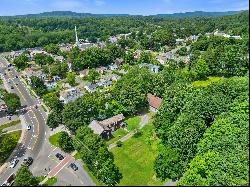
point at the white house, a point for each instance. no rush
(70, 95)
(91, 88)
(50, 84)
(151, 67)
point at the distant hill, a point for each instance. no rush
(68, 14)
(178, 15)
(200, 14)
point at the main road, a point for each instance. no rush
(35, 141)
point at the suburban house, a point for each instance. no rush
(119, 61)
(56, 78)
(137, 54)
(179, 41)
(236, 37)
(14, 54)
(70, 94)
(154, 102)
(37, 51)
(101, 69)
(58, 58)
(84, 73)
(91, 88)
(217, 33)
(113, 39)
(112, 67)
(50, 84)
(106, 127)
(28, 72)
(151, 67)
(65, 47)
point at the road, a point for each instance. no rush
(35, 141)
(34, 138)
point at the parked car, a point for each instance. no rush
(28, 127)
(27, 161)
(13, 163)
(12, 87)
(59, 156)
(10, 180)
(73, 166)
(16, 76)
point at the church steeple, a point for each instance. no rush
(77, 41)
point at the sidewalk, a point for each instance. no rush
(59, 167)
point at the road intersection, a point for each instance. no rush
(35, 141)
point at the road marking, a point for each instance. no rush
(66, 160)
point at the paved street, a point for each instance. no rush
(35, 141)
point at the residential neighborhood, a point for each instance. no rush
(130, 95)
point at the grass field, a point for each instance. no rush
(206, 82)
(117, 135)
(7, 146)
(51, 181)
(132, 123)
(13, 123)
(54, 139)
(135, 159)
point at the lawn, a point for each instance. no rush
(135, 159)
(206, 82)
(8, 144)
(133, 123)
(51, 181)
(13, 123)
(54, 139)
(117, 135)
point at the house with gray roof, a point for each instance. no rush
(106, 127)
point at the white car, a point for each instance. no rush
(28, 127)
(13, 163)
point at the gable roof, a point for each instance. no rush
(112, 120)
(96, 127)
(154, 101)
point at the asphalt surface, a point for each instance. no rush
(35, 142)
(34, 138)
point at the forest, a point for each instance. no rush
(17, 33)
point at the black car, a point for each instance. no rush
(59, 156)
(16, 76)
(27, 161)
(73, 166)
(8, 69)
(5, 74)
(12, 87)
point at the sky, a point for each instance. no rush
(133, 7)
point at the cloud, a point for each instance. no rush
(99, 2)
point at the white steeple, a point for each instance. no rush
(77, 41)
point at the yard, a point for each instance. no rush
(54, 139)
(206, 82)
(135, 159)
(132, 123)
(8, 143)
(13, 123)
